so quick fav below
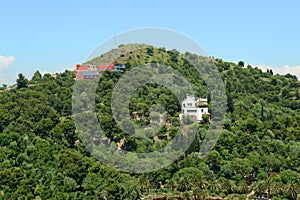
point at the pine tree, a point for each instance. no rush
(22, 82)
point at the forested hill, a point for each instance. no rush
(258, 153)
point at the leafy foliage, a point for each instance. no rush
(258, 153)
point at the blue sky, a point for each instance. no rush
(54, 35)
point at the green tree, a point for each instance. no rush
(22, 82)
(241, 63)
(37, 76)
(3, 87)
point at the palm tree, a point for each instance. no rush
(276, 188)
(196, 193)
(228, 186)
(201, 184)
(170, 183)
(185, 183)
(204, 194)
(187, 195)
(243, 188)
(144, 186)
(292, 190)
(259, 188)
(214, 186)
(268, 186)
(131, 192)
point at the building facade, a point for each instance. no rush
(194, 108)
(90, 72)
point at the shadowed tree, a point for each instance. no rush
(241, 64)
(22, 82)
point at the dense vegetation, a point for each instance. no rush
(258, 153)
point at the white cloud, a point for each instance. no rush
(7, 78)
(264, 68)
(6, 61)
(294, 70)
(58, 70)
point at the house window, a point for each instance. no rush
(190, 104)
(191, 111)
(202, 110)
(183, 105)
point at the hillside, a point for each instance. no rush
(258, 153)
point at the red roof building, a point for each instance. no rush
(89, 72)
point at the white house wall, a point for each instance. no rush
(191, 104)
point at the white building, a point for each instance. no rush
(193, 107)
